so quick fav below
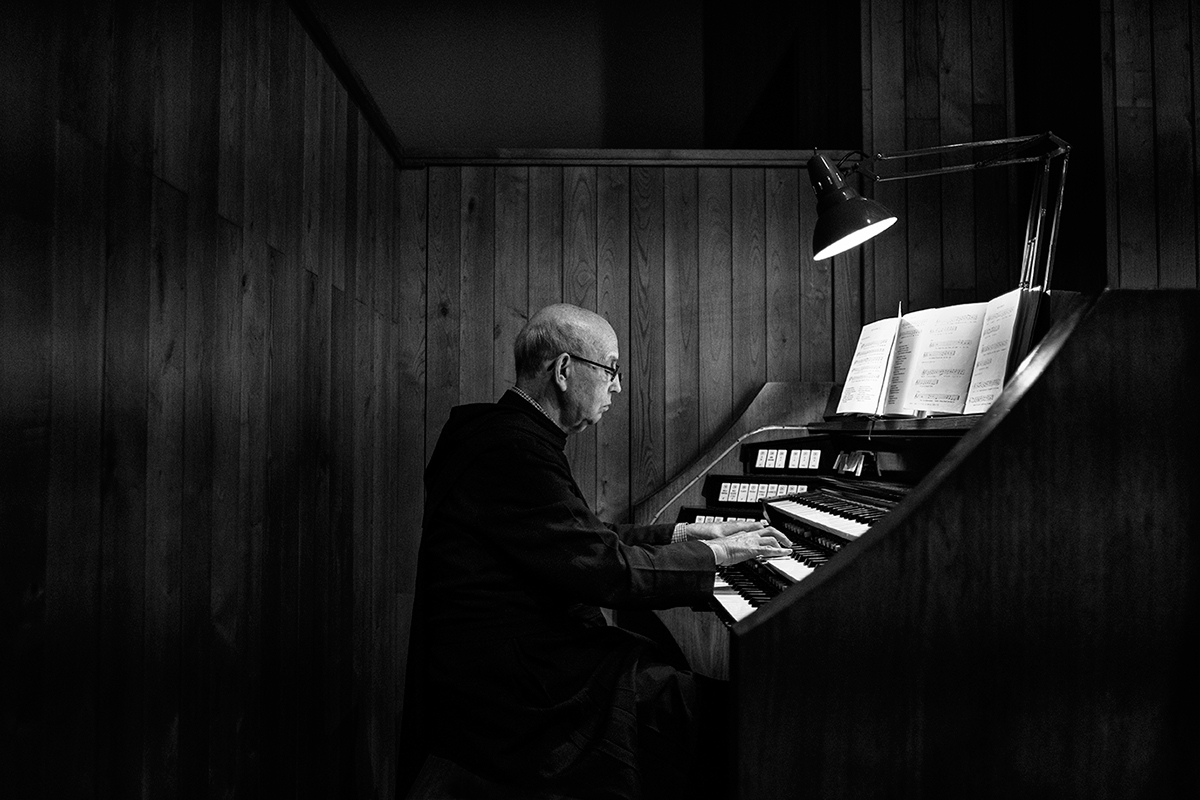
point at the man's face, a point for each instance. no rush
(590, 389)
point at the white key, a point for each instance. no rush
(734, 604)
(789, 568)
(822, 519)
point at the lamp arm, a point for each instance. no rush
(1045, 207)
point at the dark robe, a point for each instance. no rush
(516, 672)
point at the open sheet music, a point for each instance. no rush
(949, 360)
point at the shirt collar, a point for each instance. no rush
(525, 395)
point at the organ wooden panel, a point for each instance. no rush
(1026, 619)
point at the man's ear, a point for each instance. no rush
(560, 370)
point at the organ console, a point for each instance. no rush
(981, 606)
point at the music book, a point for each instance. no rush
(949, 360)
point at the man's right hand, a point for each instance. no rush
(736, 548)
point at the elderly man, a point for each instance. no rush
(522, 678)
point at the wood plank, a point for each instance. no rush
(339, 189)
(682, 329)
(172, 93)
(885, 261)
(339, 718)
(136, 41)
(314, 190)
(545, 236)
(286, 132)
(613, 488)
(361, 554)
(73, 501)
(199, 449)
(715, 301)
(1136, 185)
(579, 288)
(256, 145)
(85, 60)
(364, 216)
(477, 285)
(783, 283)
(165, 423)
(382, 421)
(410, 358)
(290, 500)
(1174, 145)
(231, 166)
(645, 362)
(122, 668)
(383, 183)
(312, 557)
(26, 366)
(235, 727)
(955, 119)
(749, 290)
(816, 311)
(442, 301)
(512, 271)
(261, 565)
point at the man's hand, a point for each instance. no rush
(719, 530)
(734, 542)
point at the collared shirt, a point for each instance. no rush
(532, 402)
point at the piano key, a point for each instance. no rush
(731, 600)
(824, 520)
(789, 568)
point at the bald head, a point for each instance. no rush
(560, 328)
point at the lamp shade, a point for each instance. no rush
(844, 218)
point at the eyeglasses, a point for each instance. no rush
(614, 373)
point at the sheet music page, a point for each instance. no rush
(909, 341)
(995, 341)
(869, 368)
(947, 359)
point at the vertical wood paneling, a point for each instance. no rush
(232, 114)
(1174, 135)
(477, 284)
(73, 505)
(782, 286)
(198, 484)
(579, 288)
(922, 129)
(545, 236)
(682, 319)
(410, 358)
(749, 291)
(25, 406)
(1134, 114)
(715, 300)
(645, 394)
(252, 327)
(235, 730)
(512, 270)
(442, 301)
(122, 670)
(994, 240)
(172, 93)
(164, 486)
(816, 314)
(612, 302)
(955, 61)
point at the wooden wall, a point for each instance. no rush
(940, 73)
(209, 369)
(1151, 103)
(231, 328)
(702, 263)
